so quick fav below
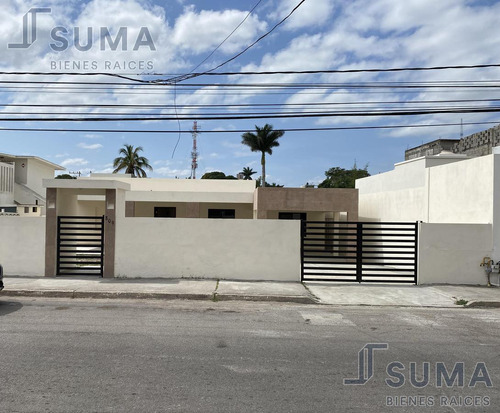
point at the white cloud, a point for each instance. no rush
(74, 162)
(310, 14)
(204, 30)
(91, 147)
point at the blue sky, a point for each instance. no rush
(321, 35)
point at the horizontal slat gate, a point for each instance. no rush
(80, 245)
(359, 251)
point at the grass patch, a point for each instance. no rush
(461, 302)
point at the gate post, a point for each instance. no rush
(359, 252)
(51, 233)
(302, 236)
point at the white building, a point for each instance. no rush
(21, 189)
(456, 198)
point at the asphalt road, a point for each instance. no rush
(59, 355)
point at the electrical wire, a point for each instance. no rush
(193, 75)
(259, 73)
(402, 112)
(320, 129)
(227, 38)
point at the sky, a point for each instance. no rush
(176, 37)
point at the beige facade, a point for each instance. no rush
(317, 204)
(159, 210)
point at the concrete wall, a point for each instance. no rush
(451, 253)
(269, 202)
(462, 192)
(37, 171)
(397, 195)
(208, 248)
(68, 202)
(22, 246)
(436, 189)
(146, 209)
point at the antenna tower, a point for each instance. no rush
(194, 153)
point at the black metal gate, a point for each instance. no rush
(80, 245)
(376, 252)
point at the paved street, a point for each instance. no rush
(63, 355)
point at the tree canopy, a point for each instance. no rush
(247, 173)
(217, 175)
(263, 140)
(132, 162)
(343, 178)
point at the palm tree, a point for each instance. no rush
(247, 173)
(132, 162)
(263, 140)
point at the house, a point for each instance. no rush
(115, 225)
(21, 189)
(210, 198)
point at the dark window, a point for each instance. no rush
(165, 212)
(222, 213)
(26, 210)
(293, 215)
(35, 209)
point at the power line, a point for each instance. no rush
(193, 75)
(227, 38)
(145, 131)
(257, 73)
(242, 105)
(272, 116)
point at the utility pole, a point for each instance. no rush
(194, 153)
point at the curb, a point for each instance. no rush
(157, 296)
(268, 298)
(483, 304)
(104, 295)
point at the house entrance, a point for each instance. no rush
(80, 245)
(373, 252)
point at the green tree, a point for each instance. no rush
(65, 176)
(132, 162)
(214, 175)
(247, 173)
(263, 140)
(343, 178)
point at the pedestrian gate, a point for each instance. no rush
(80, 245)
(375, 252)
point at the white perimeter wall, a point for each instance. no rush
(452, 253)
(22, 245)
(397, 195)
(264, 250)
(455, 192)
(462, 192)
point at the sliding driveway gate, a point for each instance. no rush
(80, 245)
(375, 252)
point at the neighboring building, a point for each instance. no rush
(477, 144)
(457, 200)
(21, 189)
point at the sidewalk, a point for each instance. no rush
(310, 293)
